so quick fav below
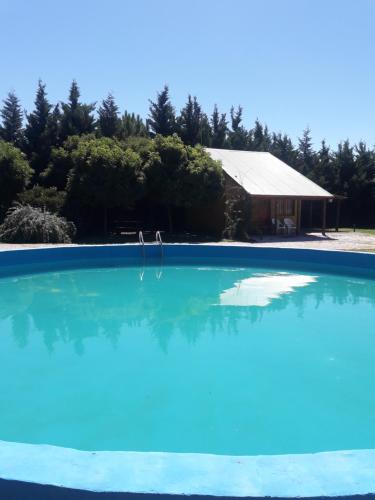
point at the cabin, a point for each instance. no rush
(275, 194)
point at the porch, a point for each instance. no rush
(288, 216)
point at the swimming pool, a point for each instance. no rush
(209, 351)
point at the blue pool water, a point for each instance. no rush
(224, 360)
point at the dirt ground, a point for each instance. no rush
(354, 241)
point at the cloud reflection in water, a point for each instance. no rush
(261, 290)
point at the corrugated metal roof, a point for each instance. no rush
(262, 174)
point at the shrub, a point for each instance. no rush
(15, 173)
(236, 214)
(104, 176)
(26, 224)
(182, 176)
(57, 172)
(49, 199)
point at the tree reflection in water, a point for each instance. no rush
(72, 306)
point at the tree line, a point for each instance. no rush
(75, 156)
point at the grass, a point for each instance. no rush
(364, 230)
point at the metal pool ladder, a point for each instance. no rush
(141, 242)
(160, 241)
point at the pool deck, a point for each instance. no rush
(345, 241)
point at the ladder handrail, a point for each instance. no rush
(142, 243)
(158, 238)
(160, 241)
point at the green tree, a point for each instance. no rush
(346, 166)
(11, 117)
(282, 147)
(46, 198)
(267, 139)
(189, 123)
(132, 125)
(325, 171)
(15, 174)
(181, 176)
(306, 157)
(142, 145)
(203, 178)
(162, 118)
(363, 183)
(55, 126)
(104, 176)
(41, 131)
(238, 136)
(258, 137)
(109, 122)
(205, 131)
(219, 128)
(77, 117)
(61, 163)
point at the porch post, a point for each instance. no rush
(338, 206)
(299, 210)
(324, 217)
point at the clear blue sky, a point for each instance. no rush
(291, 63)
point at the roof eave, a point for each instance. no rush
(294, 196)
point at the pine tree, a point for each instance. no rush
(205, 131)
(267, 139)
(54, 125)
(38, 132)
(132, 125)
(238, 136)
(257, 136)
(219, 128)
(190, 121)
(346, 165)
(365, 162)
(109, 122)
(162, 118)
(306, 157)
(363, 183)
(282, 147)
(236, 117)
(325, 171)
(348, 181)
(77, 118)
(11, 116)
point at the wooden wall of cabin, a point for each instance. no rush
(263, 210)
(210, 218)
(260, 215)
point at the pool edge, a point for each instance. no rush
(328, 474)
